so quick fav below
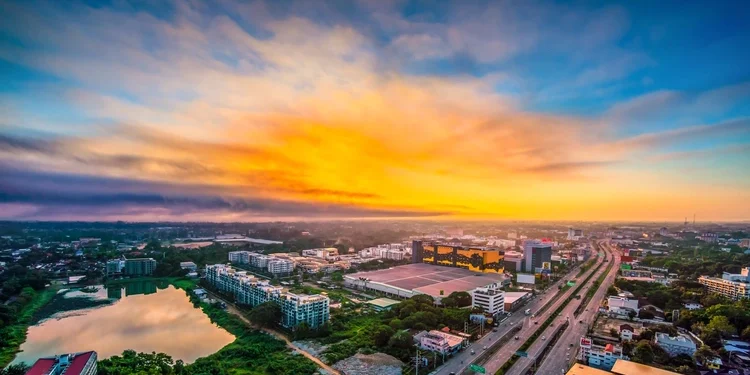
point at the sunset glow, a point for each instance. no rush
(267, 110)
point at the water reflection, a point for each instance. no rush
(146, 319)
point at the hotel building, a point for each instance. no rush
(732, 286)
(490, 298)
(252, 291)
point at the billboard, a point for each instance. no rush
(625, 266)
(524, 278)
(546, 265)
(585, 342)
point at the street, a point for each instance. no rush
(461, 361)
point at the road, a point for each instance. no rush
(463, 359)
(538, 346)
(557, 362)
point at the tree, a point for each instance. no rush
(266, 314)
(462, 299)
(382, 334)
(645, 314)
(746, 333)
(612, 291)
(17, 369)
(613, 332)
(643, 353)
(704, 353)
(631, 315)
(721, 324)
(401, 339)
(337, 276)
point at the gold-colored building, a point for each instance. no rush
(474, 259)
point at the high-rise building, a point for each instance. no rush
(732, 286)
(490, 298)
(140, 266)
(280, 266)
(574, 234)
(83, 363)
(240, 257)
(535, 254)
(249, 290)
(115, 267)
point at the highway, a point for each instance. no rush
(461, 361)
(538, 346)
(558, 363)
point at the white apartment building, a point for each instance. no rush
(491, 298)
(733, 286)
(241, 257)
(259, 260)
(675, 346)
(325, 253)
(394, 251)
(280, 266)
(249, 290)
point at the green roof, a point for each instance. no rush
(383, 302)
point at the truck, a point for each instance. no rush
(527, 312)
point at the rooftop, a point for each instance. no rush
(579, 369)
(511, 297)
(623, 367)
(383, 302)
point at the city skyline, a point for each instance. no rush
(228, 111)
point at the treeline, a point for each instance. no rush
(722, 319)
(708, 260)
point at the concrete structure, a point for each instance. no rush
(626, 332)
(249, 290)
(490, 298)
(280, 266)
(478, 259)
(675, 346)
(139, 266)
(709, 237)
(412, 279)
(621, 307)
(325, 253)
(416, 251)
(115, 267)
(732, 286)
(692, 305)
(441, 342)
(514, 300)
(258, 260)
(597, 356)
(574, 234)
(535, 254)
(188, 266)
(241, 257)
(623, 367)
(382, 304)
(83, 363)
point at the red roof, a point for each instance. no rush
(78, 363)
(41, 366)
(609, 348)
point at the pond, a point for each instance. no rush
(143, 316)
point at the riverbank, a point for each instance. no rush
(13, 335)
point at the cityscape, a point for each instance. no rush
(374, 187)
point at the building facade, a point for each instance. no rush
(240, 257)
(597, 356)
(140, 266)
(675, 346)
(248, 290)
(490, 298)
(732, 286)
(476, 259)
(115, 267)
(280, 266)
(535, 254)
(441, 342)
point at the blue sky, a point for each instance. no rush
(556, 95)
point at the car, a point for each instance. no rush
(516, 337)
(580, 321)
(451, 373)
(485, 348)
(535, 322)
(472, 351)
(571, 345)
(544, 338)
(494, 330)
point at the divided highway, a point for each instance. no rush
(562, 353)
(461, 361)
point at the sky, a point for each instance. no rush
(304, 110)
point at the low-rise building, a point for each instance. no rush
(598, 356)
(732, 286)
(190, 266)
(514, 300)
(381, 304)
(280, 266)
(83, 363)
(115, 267)
(490, 298)
(621, 307)
(442, 342)
(675, 346)
(626, 332)
(692, 305)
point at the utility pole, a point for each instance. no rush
(416, 363)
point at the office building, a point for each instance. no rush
(574, 234)
(240, 257)
(416, 251)
(597, 356)
(476, 259)
(280, 266)
(140, 266)
(490, 298)
(249, 290)
(732, 286)
(83, 363)
(675, 346)
(535, 255)
(441, 342)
